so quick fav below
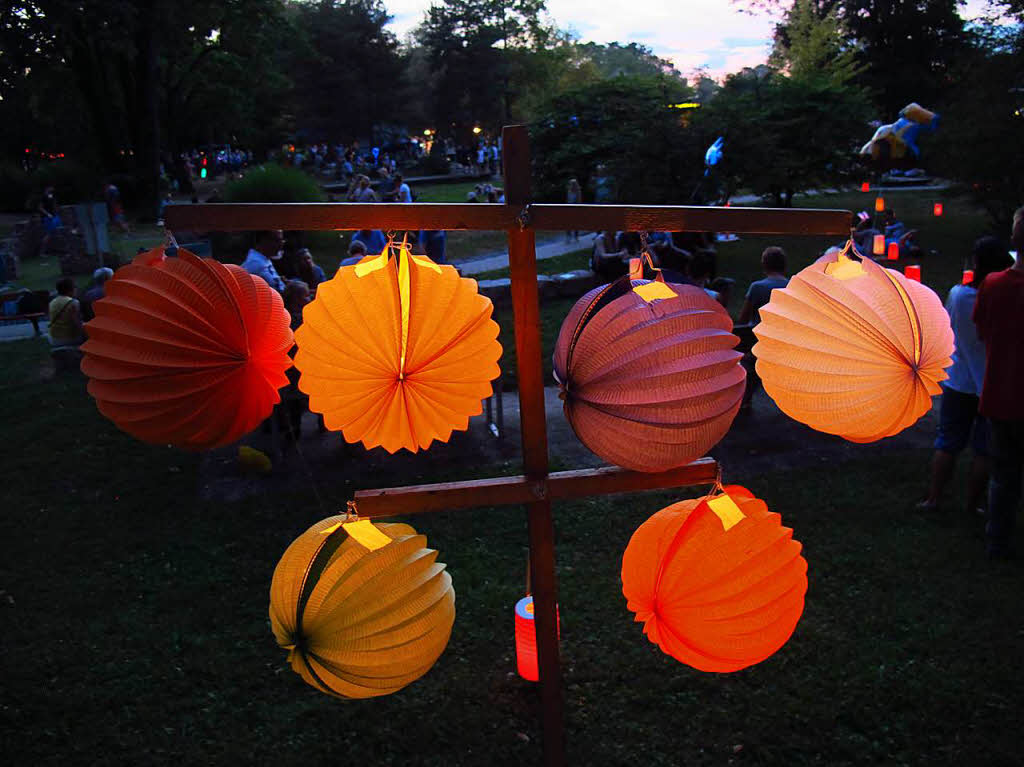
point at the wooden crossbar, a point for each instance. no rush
(234, 217)
(516, 490)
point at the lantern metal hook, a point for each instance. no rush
(523, 219)
(351, 511)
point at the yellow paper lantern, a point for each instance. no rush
(363, 609)
(852, 348)
(397, 352)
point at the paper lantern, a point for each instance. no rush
(912, 272)
(878, 244)
(968, 276)
(937, 209)
(649, 373)
(526, 640)
(865, 186)
(718, 582)
(893, 251)
(363, 609)
(852, 348)
(187, 351)
(397, 352)
(879, 204)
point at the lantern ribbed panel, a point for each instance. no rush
(650, 385)
(187, 351)
(350, 349)
(715, 599)
(360, 623)
(840, 355)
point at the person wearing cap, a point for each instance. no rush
(95, 291)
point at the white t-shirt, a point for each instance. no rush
(967, 372)
(404, 193)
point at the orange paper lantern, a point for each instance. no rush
(852, 348)
(397, 352)
(363, 609)
(649, 373)
(187, 351)
(718, 582)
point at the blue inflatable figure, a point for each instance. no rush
(713, 155)
(898, 141)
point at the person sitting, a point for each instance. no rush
(702, 272)
(773, 262)
(95, 291)
(266, 249)
(308, 270)
(361, 190)
(356, 253)
(958, 405)
(66, 316)
(293, 402)
(607, 260)
(631, 242)
(402, 191)
(374, 240)
(434, 243)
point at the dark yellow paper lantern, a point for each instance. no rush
(852, 348)
(397, 352)
(363, 609)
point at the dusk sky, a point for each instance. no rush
(709, 34)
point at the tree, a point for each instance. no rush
(810, 44)
(784, 134)
(622, 130)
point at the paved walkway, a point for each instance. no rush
(488, 262)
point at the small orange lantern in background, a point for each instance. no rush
(937, 209)
(912, 272)
(968, 276)
(865, 187)
(852, 348)
(718, 582)
(526, 640)
(893, 251)
(187, 351)
(397, 351)
(878, 245)
(649, 372)
(363, 609)
(879, 204)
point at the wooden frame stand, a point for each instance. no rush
(535, 488)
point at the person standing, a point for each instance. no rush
(402, 191)
(958, 405)
(773, 261)
(573, 196)
(50, 217)
(267, 247)
(95, 292)
(66, 316)
(999, 316)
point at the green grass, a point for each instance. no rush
(135, 627)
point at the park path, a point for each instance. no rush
(488, 262)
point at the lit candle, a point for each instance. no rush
(879, 204)
(912, 272)
(878, 244)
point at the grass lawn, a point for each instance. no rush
(135, 625)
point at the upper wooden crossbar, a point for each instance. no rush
(233, 217)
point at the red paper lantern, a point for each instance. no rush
(968, 276)
(937, 209)
(718, 582)
(649, 373)
(912, 272)
(878, 244)
(187, 351)
(893, 251)
(526, 640)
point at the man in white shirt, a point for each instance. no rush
(266, 248)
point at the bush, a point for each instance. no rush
(273, 183)
(20, 190)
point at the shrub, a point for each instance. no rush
(273, 183)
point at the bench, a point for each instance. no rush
(31, 305)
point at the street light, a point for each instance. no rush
(477, 129)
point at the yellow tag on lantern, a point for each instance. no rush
(424, 261)
(368, 266)
(726, 510)
(365, 534)
(844, 268)
(654, 290)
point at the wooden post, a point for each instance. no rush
(522, 256)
